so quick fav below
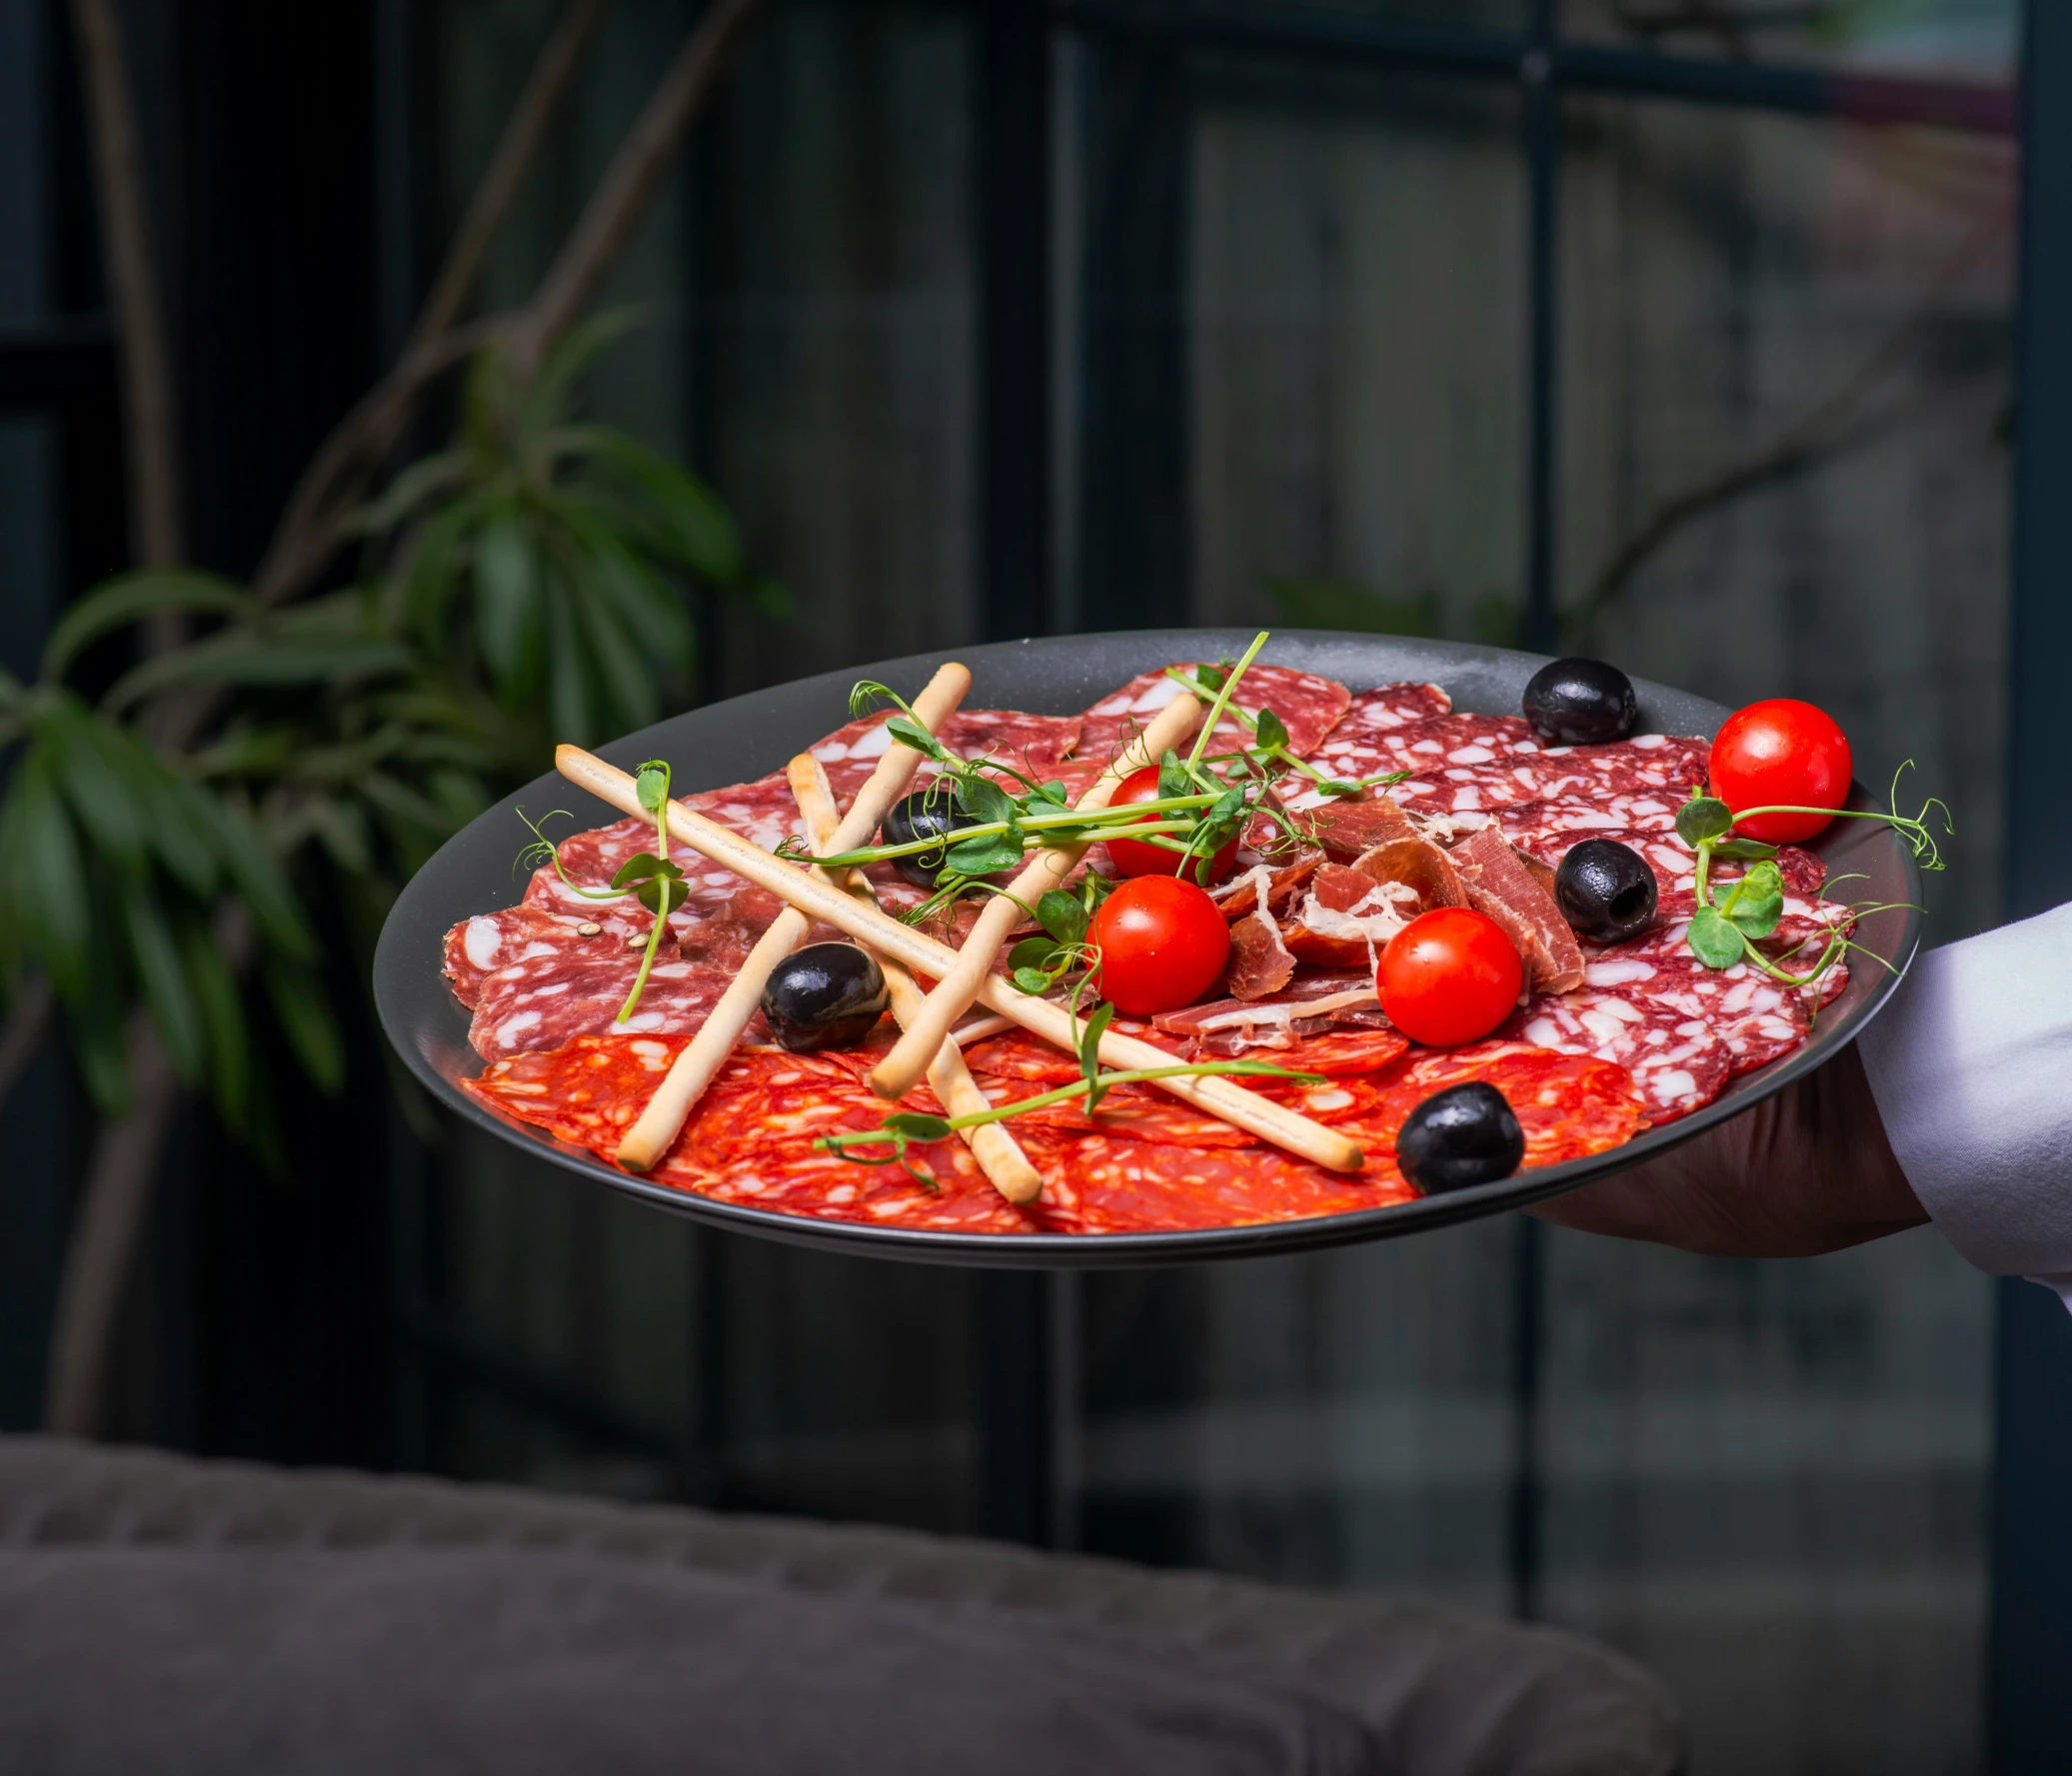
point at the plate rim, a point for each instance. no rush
(1093, 1250)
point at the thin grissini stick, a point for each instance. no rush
(663, 1120)
(893, 1076)
(999, 1154)
(814, 895)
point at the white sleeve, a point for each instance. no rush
(1971, 1065)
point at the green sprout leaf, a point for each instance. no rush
(985, 803)
(1034, 982)
(917, 1125)
(1744, 851)
(1271, 731)
(1758, 901)
(986, 854)
(1172, 776)
(651, 785)
(1715, 941)
(1090, 1054)
(1704, 818)
(1062, 914)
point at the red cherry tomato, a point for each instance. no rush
(1162, 945)
(1782, 753)
(1448, 976)
(1135, 856)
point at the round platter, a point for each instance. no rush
(741, 738)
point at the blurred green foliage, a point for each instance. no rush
(528, 584)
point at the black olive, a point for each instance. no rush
(922, 815)
(826, 995)
(1606, 890)
(1463, 1135)
(1581, 703)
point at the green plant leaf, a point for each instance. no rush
(663, 894)
(223, 1019)
(543, 402)
(1090, 1054)
(984, 801)
(987, 855)
(97, 765)
(1062, 914)
(570, 708)
(694, 526)
(255, 875)
(1757, 901)
(507, 596)
(1744, 851)
(1034, 981)
(1272, 731)
(1172, 776)
(641, 866)
(130, 597)
(412, 488)
(242, 656)
(909, 733)
(1714, 941)
(164, 981)
(39, 849)
(296, 996)
(918, 1126)
(1031, 952)
(651, 785)
(1703, 817)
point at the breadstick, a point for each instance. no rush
(999, 1154)
(893, 1076)
(663, 1120)
(812, 892)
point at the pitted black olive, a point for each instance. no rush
(826, 995)
(922, 814)
(1581, 703)
(1606, 890)
(1466, 1134)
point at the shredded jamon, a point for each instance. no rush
(1499, 885)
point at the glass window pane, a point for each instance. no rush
(1951, 39)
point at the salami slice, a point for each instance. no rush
(1678, 1061)
(1036, 746)
(1351, 751)
(1308, 707)
(560, 982)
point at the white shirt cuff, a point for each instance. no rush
(1971, 1066)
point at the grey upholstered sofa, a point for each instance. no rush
(161, 1615)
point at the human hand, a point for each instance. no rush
(1806, 1170)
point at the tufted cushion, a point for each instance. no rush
(165, 1615)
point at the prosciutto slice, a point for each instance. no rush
(1499, 885)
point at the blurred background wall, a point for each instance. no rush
(1339, 315)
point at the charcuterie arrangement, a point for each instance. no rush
(1236, 945)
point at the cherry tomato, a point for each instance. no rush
(1162, 945)
(1448, 976)
(1782, 753)
(1134, 856)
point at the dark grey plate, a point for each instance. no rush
(733, 742)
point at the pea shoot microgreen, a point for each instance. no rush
(1727, 929)
(649, 876)
(903, 1129)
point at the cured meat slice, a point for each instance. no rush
(1758, 1018)
(1346, 918)
(1465, 764)
(1348, 826)
(1308, 707)
(1499, 886)
(1036, 746)
(558, 983)
(1260, 964)
(1350, 752)
(1678, 1063)
(1242, 894)
(1418, 865)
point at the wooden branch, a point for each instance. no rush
(151, 423)
(812, 892)
(1822, 430)
(27, 1024)
(554, 71)
(338, 473)
(623, 194)
(114, 1206)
